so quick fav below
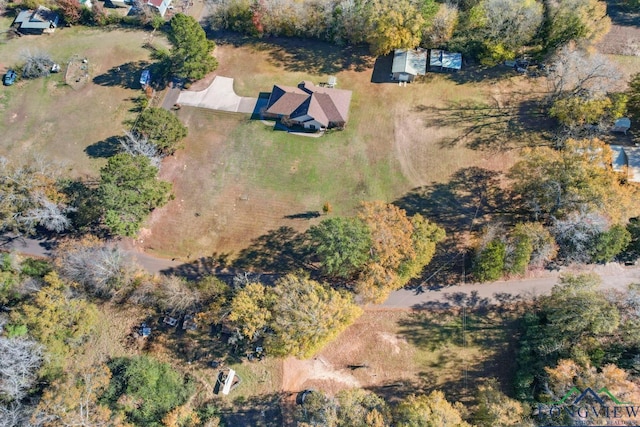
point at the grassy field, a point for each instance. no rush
(70, 126)
(404, 352)
(238, 179)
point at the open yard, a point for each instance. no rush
(73, 127)
(393, 353)
(238, 179)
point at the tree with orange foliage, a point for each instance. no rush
(71, 10)
(400, 248)
(73, 400)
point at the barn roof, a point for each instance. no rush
(443, 59)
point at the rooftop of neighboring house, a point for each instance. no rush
(41, 18)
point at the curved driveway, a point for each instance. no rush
(614, 276)
(218, 96)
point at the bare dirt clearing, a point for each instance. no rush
(397, 352)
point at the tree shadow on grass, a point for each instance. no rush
(125, 75)
(263, 410)
(302, 54)
(492, 127)
(282, 250)
(304, 215)
(214, 265)
(450, 333)
(106, 148)
(622, 14)
(470, 200)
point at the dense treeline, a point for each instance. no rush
(491, 30)
(579, 336)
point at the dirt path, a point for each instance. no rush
(305, 374)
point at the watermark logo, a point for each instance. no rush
(589, 392)
(589, 405)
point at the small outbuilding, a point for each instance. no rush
(39, 21)
(409, 63)
(442, 60)
(626, 159)
(622, 125)
(160, 5)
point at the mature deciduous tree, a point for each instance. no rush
(544, 247)
(576, 20)
(139, 145)
(317, 410)
(162, 128)
(19, 364)
(145, 389)
(71, 10)
(442, 25)
(575, 310)
(394, 24)
(297, 316)
(342, 244)
(305, 315)
(73, 400)
(578, 72)
(495, 408)
(29, 196)
(554, 184)
(505, 26)
(57, 320)
(575, 112)
(362, 408)
(191, 53)
(175, 296)
(250, 310)
(430, 410)
(129, 190)
(568, 374)
(102, 269)
(400, 248)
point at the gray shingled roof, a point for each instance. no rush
(410, 61)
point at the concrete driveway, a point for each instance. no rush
(219, 96)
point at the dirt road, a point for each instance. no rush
(613, 276)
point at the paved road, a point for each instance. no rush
(614, 276)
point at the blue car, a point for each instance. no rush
(10, 78)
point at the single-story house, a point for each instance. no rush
(409, 63)
(39, 21)
(160, 5)
(442, 60)
(626, 159)
(313, 107)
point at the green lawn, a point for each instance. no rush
(47, 117)
(239, 179)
